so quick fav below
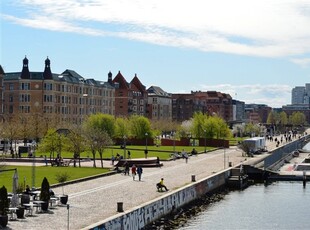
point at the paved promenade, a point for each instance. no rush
(95, 200)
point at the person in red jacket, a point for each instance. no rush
(133, 171)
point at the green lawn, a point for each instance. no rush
(136, 151)
(25, 174)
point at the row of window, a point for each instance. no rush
(66, 89)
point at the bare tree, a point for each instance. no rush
(76, 142)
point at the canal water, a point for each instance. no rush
(281, 205)
(278, 206)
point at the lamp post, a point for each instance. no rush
(33, 155)
(205, 133)
(145, 151)
(173, 133)
(124, 137)
(224, 158)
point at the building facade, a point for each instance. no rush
(211, 102)
(1, 89)
(257, 113)
(238, 111)
(159, 104)
(130, 98)
(65, 97)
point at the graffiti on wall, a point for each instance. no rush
(140, 217)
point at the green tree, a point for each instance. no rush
(97, 139)
(272, 118)
(297, 118)
(139, 126)
(51, 143)
(204, 126)
(252, 129)
(122, 127)
(223, 130)
(283, 118)
(199, 124)
(102, 121)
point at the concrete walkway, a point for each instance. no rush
(95, 200)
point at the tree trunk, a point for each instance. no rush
(94, 157)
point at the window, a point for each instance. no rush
(24, 86)
(11, 109)
(48, 98)
(24, 98)
(24, 109)
(11, 86)
(48, 86)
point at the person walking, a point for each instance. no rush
(139, 171)
(185, 156)
(126, 168)
(128, 154)
(133, 171)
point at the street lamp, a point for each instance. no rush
(224, 158)
(205, 133)
(33, 155)
(145, 151)
(124, 137)
(173, 133)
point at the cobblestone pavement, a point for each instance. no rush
(95, 200)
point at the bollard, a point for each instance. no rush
(304, 178)
(120, 207)
(193, 178)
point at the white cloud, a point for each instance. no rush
(267, 28)
(304, 62)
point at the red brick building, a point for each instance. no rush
(210, 102)
(130, 98)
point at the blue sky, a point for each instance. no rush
(255, 50)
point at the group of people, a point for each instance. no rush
(58, 160)
(134, 170)
(119, 157)
(137, 170)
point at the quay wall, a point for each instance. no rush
(141, 216)
(277, 157)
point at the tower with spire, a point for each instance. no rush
(25, 71)
(47, 74)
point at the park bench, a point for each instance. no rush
(142, 162)
(62, 163)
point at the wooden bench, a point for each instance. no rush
(62, 163)
(143, 162)
(66, 162)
